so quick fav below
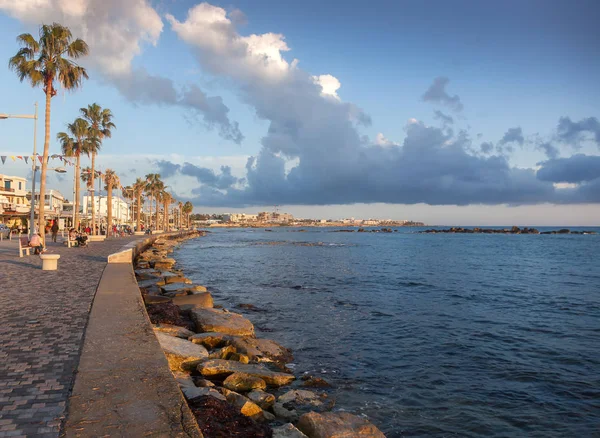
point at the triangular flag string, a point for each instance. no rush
(3, 158)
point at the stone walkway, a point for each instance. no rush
(43, 316)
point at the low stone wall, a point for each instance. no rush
(123, 385)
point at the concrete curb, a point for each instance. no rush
(123, 385)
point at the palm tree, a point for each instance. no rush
(110, 180)
(41, 63)
(154, 185)
(101, 124)
(166, 199)
(74, 147)
(179, 223)
(187, 209)
(138, 189)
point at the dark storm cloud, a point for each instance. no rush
(437, 94)
(513, 135)
(574, 133)
(549, 149)
(207, 177)
(167, 169)
(140, 87)
(445, 118)
(575, 169)
(486, 147)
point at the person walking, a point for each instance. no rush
(54, 230)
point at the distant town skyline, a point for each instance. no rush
(462, 113)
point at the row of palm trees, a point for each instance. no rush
(49, 61)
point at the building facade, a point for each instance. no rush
(120, 209)
(14, 205)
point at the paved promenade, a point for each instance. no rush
(43, 316)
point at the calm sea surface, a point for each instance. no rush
(427, 335)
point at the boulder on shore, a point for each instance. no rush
(222, 368)
(246, 406)
(173, 330)
(287, 431)
(261, 350)
(210, 339)
(261, 398)
(178, 279)
(222, 321)
(303, 401)
(337, 424)
(243, 382)
(181, 354)
(199, 300)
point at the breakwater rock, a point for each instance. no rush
(232, 380)
(512, 230)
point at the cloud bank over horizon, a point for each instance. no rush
(315, 151)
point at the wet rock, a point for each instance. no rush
(223, 368)
(261, 350)
(156, 299)
(287, 431)
(173, 330)
(302, 401)
(167, 313)
(210, 339)
(177, 279)
(191, 392)
(217, 418)
(337, 424)
(315, 382)
(243, 382)
(285, 413)
(199, 288)
(261, 398)
(181, 354)
(222, 353)
(238, 357)
(216, 320)
(199, 300)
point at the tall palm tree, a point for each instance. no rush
(111, 180)
(74, 147)
(179, 223)
(101, 127)
(138, 189)
(187, 209)
(154, 185)
(41, 63)
(166, 199)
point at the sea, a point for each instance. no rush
(441, 335)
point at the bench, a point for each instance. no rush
(24, 246)
(71, 242)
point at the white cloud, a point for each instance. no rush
(381, 140)
(329, 84)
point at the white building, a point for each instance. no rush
(240, 217)
(13, 196)
(53, 203)
(120, 209)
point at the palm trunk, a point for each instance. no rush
(156, 211)
(165, 216)
(41, 205)
(109, 209)
(93, 174)
(139, 209)
(77, 188)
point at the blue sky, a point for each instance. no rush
(375, 148)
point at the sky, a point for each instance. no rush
(446, 112)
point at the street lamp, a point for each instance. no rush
(33, 116)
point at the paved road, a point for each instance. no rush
(43, 315)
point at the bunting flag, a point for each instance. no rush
(26, 159)
(41, 159)
(12, 157)
(3, 158)
(19, 157)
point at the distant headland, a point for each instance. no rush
(512, 230)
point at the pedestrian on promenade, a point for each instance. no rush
(54, 230)
(36, 244)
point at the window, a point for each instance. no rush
(20, 188)
(7, 184)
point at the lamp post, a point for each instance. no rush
(33, 116)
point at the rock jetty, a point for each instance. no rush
(512, 230)
(233, 381)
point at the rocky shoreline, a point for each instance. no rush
(236, 385)
(512, 230)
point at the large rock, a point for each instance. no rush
(142, 284)
(181, 354)
(188, 288)
(210, 339)
(189, 302)
(261, 398)
(178, 279)
(173, 330)
(337, 425)
(222, 321)
(285, 413)
(223, 368)
(164, 264)
(156, 299)
(246, 406)
(303, 401)
(191, 392)
(287, 431)
(222, 353)
(243, 382)
(261, 350)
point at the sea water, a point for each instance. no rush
(425, 334)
